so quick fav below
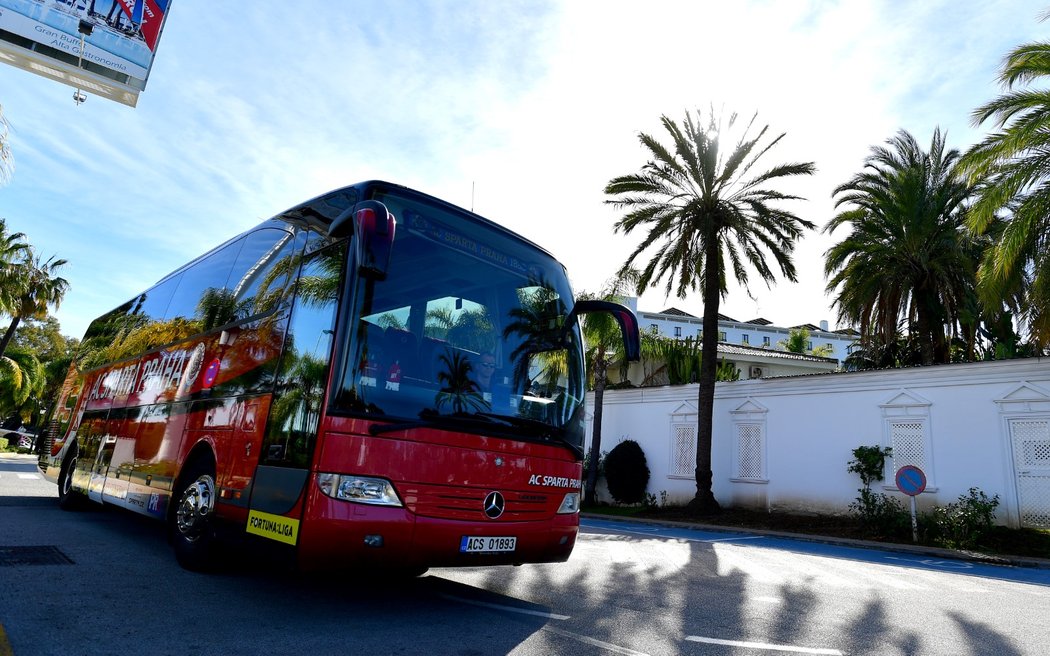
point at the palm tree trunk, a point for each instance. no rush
(589, 493)
(8, 335)
(704, 502)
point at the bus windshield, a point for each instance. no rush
(468, 327)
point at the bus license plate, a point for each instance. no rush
(481, 544)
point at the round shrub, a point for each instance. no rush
(626, 472)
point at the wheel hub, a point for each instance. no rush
(195, 507)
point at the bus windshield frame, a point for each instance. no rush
(466, 331)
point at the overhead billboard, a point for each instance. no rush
(104, 47)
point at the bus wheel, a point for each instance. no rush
(68, 499)
(193, 521)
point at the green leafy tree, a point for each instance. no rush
(706, 209)
(55, 352)
(1012, 167)
(22, 382)
(907, 259)
(797, 341)
(30, 288)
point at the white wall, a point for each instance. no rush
(802, 430)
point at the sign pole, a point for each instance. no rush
(914, 522)
(911, 481)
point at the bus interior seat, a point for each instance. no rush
(401, 347)
(374, 348)
(430, 349)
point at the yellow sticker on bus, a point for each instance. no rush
(274, 527)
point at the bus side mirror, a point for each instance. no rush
(372, 226)
(632, 348)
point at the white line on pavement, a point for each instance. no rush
(596, 643)
(762, 645)
(512, 609)
(29, 477)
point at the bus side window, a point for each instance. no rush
(303, 371)
(201, 293)
(261, 273)
(95, 349)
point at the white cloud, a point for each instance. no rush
(533, 105)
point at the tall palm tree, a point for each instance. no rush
(706, 209)
(907, 259)
(1013, 163)
(31, 287)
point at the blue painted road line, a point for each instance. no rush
(813, 547)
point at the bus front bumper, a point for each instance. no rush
(339, 533)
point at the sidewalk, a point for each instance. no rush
(920, 550)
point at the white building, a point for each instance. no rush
(757, 333)
(784, 443)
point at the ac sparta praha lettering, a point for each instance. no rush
(554, 481)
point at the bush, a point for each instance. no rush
(881, 515)
(626, 472)
(962, 524)
(868, 463)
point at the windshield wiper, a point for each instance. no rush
(545, 429)
(435, 419)
(474, 420)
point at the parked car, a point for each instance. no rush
(19, 439)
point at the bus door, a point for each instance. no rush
(120, 453)
(277, 499)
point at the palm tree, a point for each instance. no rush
(30, 288)
(797, 341)
(6, 161)
(22, 381)
(1013, 165)
(706, 209)
(907, 259)
(12, 249)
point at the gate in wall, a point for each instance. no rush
(1031, 447)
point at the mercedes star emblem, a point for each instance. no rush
(494, 505)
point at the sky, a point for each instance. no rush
(522, 111)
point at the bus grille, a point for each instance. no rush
(468, 504)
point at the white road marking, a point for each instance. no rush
(654, 530)
(616, 649)
(29, 477)
(762, 645)
(512, 609)
(768, 600)
(933, 562)
(749, 537)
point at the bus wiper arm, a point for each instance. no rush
(545, 429)
(428, 418)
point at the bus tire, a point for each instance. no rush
(192, 526)
(68, 498)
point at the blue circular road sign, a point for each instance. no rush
(911, 480)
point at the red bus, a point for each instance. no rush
(345, 386)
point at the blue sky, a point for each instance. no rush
(254, 107)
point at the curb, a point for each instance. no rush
(921, 550)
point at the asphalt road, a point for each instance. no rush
(108, 584)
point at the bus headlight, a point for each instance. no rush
(570, 504)
(359, 489)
